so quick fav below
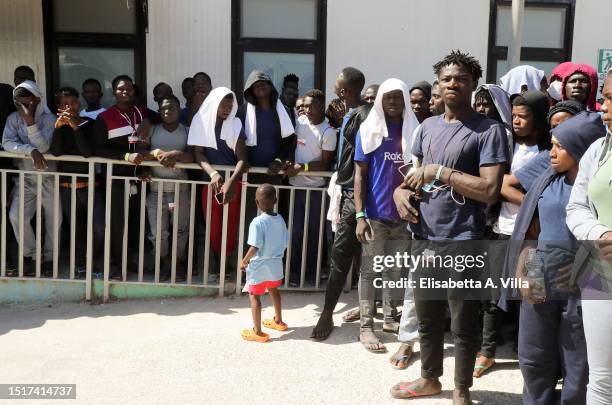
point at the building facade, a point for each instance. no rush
(67, 41)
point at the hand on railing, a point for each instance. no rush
(145, 176)
(40, 163)
(135, 158)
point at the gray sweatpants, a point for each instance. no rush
(29, 210)
(166, 214)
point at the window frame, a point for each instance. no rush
(496, 53)
(58, 39)
(240, 45)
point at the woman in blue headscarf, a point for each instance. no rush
(551, 331)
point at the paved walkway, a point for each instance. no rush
(189, 351)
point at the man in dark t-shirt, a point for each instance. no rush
(462, 158)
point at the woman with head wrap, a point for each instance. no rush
(551, 330)
(525, 176)
(589, 217)
(219, 139)
(523, 78)
(580, 84)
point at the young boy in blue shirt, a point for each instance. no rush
(263, 262)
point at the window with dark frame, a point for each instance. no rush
(542, 48)
(279, 37)
(94, 40)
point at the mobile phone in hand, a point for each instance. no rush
(219, 198)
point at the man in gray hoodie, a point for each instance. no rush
(28, 132)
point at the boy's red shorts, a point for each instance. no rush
(260, 289)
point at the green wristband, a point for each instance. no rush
(360, 214)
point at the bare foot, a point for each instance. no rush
(370, 341)
(324, 326)
(461, 397)
(423, 387)
(401, 358)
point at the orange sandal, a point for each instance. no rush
(250, 335)
(272, 324)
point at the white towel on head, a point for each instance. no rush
(520, 76)
(250, 124)
(374, 128)
(202, 129)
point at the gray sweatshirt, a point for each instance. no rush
(21, 139)
(581, 214)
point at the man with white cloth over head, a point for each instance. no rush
(218, 139)
(382, 149)
(523, 78)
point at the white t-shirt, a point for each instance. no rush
(507, 215)
(92, 114)
(312, 140)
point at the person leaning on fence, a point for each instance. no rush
(382, 147)
(218, 139)
(92, 94)
(316, 144)
(115, 138)
(263, 263)
(73, 135)
(28, 132)
(168, 142)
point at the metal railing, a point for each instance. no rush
(196, 258)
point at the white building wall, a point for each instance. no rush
(402, 38)
(591, 30)
(21, 39)
(186, 37)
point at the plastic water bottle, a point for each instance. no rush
(535, 271)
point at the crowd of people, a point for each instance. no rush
(524, 161)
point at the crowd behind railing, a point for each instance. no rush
(525, 160)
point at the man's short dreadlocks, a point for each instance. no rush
(460, 59)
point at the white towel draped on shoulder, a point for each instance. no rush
(250, 127)
(374, 128)
(202, 129)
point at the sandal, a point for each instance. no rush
(381, 348)
(402, 361)
(250, 335)
(391, 327)
(351, 316)
(401, 391)
(482, 366)
(272, 324)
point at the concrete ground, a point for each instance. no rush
(189, 351)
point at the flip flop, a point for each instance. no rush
(482, 367)
(351, 316)
(400, 391)
(250, 335)
(383, 349)
(403, 359)
(272, 324)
